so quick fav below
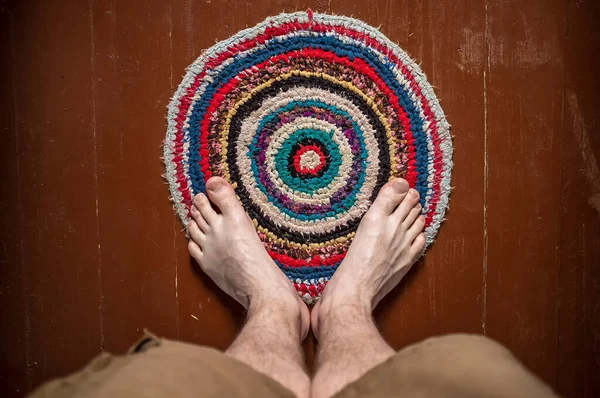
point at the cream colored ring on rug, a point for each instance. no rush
(283, 133)
(272, 104)
(250, 124)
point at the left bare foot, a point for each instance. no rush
(230, 252)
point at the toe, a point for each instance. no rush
(199, 219)
(390, 196)
(412, 216)
(195, 250)
(204, 208)
(410, 200)
(196, 234)
(418, 244)
(223, 195)
(415, 229)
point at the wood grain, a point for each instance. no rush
(14, 352)
(132, 84)
(579, 272)
(524, 92)
(55, 190)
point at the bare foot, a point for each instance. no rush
(230, 252)
(388, 240)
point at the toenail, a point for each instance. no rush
(399, 185)
(216, 186)
(413, 192)
(194, 210)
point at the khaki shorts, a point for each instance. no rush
(448, 366)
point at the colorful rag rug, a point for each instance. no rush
(308, 116)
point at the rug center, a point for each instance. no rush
(309, 160)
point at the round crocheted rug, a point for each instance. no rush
(308, 116)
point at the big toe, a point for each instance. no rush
(221, 193)
(390, 196)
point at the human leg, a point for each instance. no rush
(227, 248)
(386, 245)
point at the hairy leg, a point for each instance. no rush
(386, 244)
(270, 342)
(227, 248)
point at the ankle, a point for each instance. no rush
(338, 313)
(286, 314)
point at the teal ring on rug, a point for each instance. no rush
(308, 185)
(344, 204)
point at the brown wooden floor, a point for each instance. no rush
(90, 249)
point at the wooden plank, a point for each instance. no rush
(579, 288)
(207, 316)
(442, 294)
(56, 187)
(524, 91)
(132, 88)
(15, 344)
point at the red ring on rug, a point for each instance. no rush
(298, 158)
(357, 64)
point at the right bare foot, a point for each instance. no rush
(387, 243)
